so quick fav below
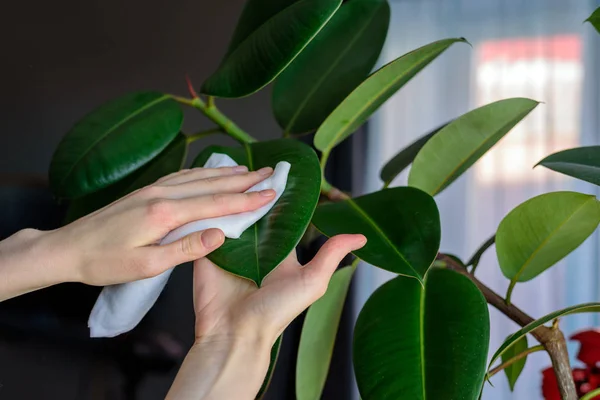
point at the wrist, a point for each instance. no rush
(253, 340)
(27, 263)
(223, 367)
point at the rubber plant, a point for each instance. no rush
(425, 333)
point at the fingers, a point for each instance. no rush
(189, 248)
(235, 183)
(318, 272)
(188, 175)
(170, 214)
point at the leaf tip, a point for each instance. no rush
(464, 40)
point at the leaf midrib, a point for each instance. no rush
(371, 101)
(233, 53)
(462, 162)
(109, 131)
(328, 72)
(382, 234)
(572, 164)
(422, 338)
(547, 239)
(255, 225)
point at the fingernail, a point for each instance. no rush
(267, 193)
(265, 171)
(240, 168)
(212, 238)
(363, 241)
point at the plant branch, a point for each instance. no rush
(331, 192)
(552, 339)
(215, 115)
(196, 136)
(212, 112)
(514, 359)
(474, 261)
(327, 189)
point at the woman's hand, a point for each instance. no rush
(119, 242)
(238, 323)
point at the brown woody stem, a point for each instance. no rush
(552, 338)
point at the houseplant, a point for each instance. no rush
(422, 335)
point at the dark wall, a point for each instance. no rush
(60, 60)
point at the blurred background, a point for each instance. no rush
(62, 59)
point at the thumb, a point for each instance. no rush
(191, 247)
(318, 272)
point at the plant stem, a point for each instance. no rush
(213, 113)
(509, 292)
(331, 192)
(327, 189)
(514, 359)
(552, 339)
(474, 261)
(196, 136)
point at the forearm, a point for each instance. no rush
(223, 368)
(28, 263)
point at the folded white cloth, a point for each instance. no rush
(120, 308)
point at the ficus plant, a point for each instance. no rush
(423, 334)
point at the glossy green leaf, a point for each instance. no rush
(463, 141)
(272, 364)
(373, 92)
(594, 19)
(113, 141)
(331, 66)
(168, 161)
(581, 163)
(414, 342)
(514, 370)
(515, 337)
(402, 226)
(405, 157)
(270, 34)
(541, 231)
(318, 337)
(265, 244)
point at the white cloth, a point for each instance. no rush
(120, 308)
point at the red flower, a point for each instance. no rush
(589, 352)
(586, 379)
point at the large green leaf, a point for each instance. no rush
(318, 337)
(541, 231)
(594, 19)
(581, 163)
(414, 342)
(513, 339)
(373, 92)
(272, 364)
(331, 66)
(168, 161)
(265, 244)
(405, 157)
(402, 226)
(270, 34)
(514, 370)
(463, 141)
(113, 141)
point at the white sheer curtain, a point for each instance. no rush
(520, 48)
